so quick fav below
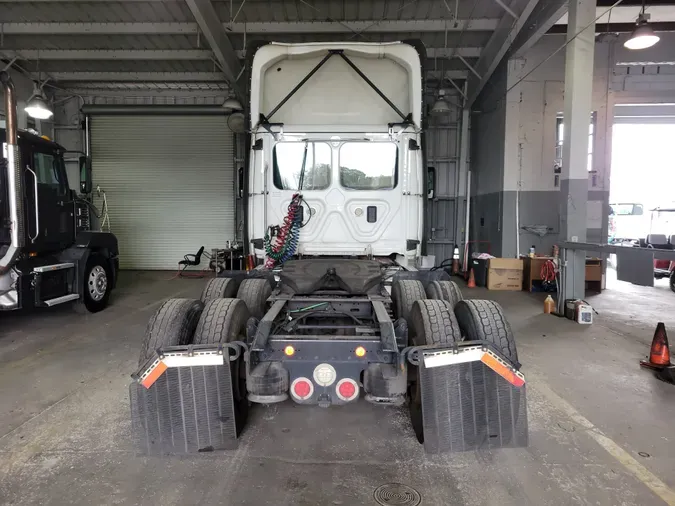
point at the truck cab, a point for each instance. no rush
(48, 253)
(348, 138)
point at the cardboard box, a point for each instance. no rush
(593, 272)
(505, 274)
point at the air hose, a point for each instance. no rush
(281, 242)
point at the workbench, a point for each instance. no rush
(532, 273)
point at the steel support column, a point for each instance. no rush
(461, 225)
(577, 116)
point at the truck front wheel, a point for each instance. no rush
(97, 283)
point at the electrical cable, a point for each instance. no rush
(562, 47)
(309, 213)
(281, 242)
(548, 271)
(548, 275)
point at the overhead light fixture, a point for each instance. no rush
(237, 122)
(441, 105)
(232, 104)
(37, 106)
(643, 36)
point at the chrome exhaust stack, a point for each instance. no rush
(14, 189)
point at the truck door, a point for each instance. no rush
(49, 223)
(352, 189)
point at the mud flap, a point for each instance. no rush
(469, 406)
(183, 409)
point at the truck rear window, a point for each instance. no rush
(288, 165)
(368, 165)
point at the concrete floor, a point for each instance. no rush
(601, 429)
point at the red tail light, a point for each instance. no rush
(347, 389)
(302, 388)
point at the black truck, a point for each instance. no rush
(48, 254)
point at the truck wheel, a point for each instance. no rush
(445, 290)
(173, 324)
(255, 292)
(432, 322)
(672, 281)
(96, 285)
(404, 293)
(484, 320)
(224, 321)
(219, 288)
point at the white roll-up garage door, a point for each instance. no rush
(169, 182)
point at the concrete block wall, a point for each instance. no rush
(513, 142)
(487, 152)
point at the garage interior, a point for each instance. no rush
(143, 86)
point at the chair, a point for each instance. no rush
(189, 261)
(658, 241)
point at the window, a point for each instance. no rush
(288, 165)
(369, 165)
(47, 167)
(559, 133)
(626, 209)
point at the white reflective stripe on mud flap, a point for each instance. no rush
(193, 361)
(439, 358)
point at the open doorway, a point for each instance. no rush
(642, 183)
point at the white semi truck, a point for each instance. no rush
(336, 309)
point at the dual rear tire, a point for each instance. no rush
(253, 291)
(180, 322)
(217, 318)
(444, 319)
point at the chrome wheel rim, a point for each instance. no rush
(97, 283)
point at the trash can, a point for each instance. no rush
(480, 269)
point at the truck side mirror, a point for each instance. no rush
(85, 175)
(431, 182)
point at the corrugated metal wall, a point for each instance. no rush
(448, 204)
(169, 182)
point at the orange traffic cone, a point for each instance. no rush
(455, 261)
(472, 280)
(659, 353)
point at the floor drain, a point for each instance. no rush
(395, 494)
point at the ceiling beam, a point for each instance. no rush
(122, 77)
(449, 74)
(206, 17)
(285, 27)
(496, 48)
(177, 54)
(70, 1)
(540, 21)
(109, 54)
(99, 28)
(658, 26)
(182, 77)
(450, 52)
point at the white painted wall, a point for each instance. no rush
(535, 103)
(513, 134)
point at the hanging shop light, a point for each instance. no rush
(37, 106)
(643, 36)
(232, 104)
(441, 105)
